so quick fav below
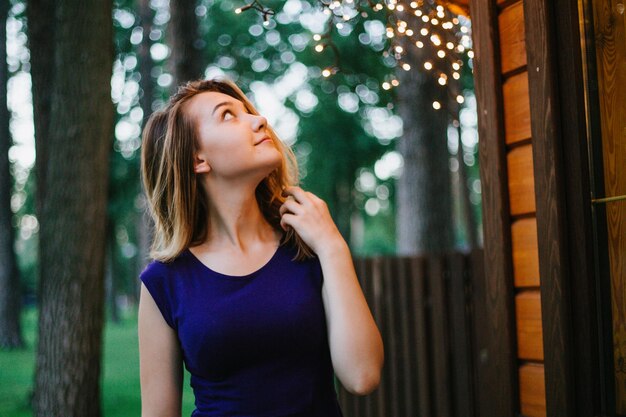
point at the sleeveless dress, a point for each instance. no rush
(255, 345)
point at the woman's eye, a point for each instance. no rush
(227, 112)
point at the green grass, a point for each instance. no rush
(120, 377)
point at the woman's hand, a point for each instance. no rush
(309, 216)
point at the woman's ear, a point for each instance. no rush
(200, 165)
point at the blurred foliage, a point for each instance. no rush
(335, 141)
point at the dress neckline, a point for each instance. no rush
(195, 259)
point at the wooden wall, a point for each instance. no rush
(523, 223)
(514, 355)
(610, 28)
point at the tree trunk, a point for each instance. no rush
(183, 26)
(110, 272)
(73, 208)
(41, 32)
(10, 294)
(466, 205)
(144, 223)
(424, 221)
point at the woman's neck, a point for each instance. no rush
(236, 221)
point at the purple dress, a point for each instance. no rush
(255, 345)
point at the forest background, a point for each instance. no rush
(383, 158)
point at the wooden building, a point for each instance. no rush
(550, 80)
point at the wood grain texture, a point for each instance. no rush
(533, 390)
(516, 108)
(610, 34)
(423, 308)
(529, 328)
(579, 219)
(512, 38)
(525, 255)
(551, 207)
(496, 369)
(521, 180)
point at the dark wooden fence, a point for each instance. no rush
(424, 308)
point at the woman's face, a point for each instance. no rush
(232, 142)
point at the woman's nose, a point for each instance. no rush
(260, 122)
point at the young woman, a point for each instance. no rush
(252, 286)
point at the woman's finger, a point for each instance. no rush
(292, 206)
(298, 193)
(287, 219)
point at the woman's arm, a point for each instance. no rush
(355, 343)
(356, 346)
(160, 362)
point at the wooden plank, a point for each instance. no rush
(497, 369)
(529, 330)
(512, 43)
(377, 281)
(479, 337)
(521, 180)
(459, 335)
(516, 108)
(418, 291)
(440, 342)
(369, 401)
(551, 207)
(532, 390)
(525, 253)
(610, 28)
(391, 342)
(578, 188)
(408, 351)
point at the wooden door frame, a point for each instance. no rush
(564, 222)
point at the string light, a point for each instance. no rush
(449, 39)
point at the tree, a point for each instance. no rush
(424, 199)
(74, 128)
(10, 294)
(186, 57)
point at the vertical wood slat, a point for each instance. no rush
(393, 398)
(551, 207)
(577, 187)
(479, 333)
(440, 342)
(422, 309)
(497, 368)
(460, 335)
(417, 268)
(403, 287)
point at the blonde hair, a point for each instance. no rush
(176, 200)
